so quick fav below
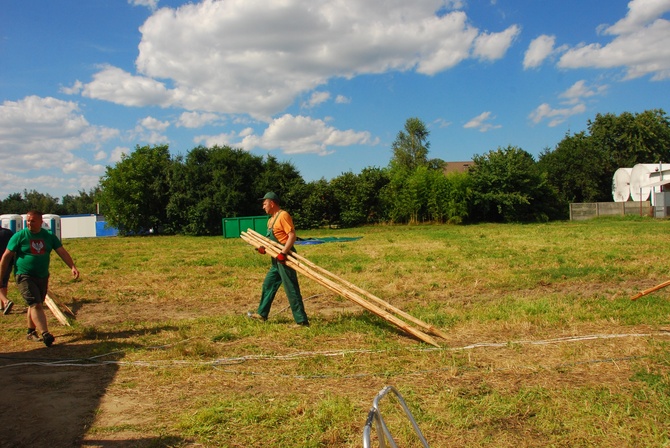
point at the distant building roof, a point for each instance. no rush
(457, 167)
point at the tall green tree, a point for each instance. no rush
(631, 138)
(210, 184)
(577, 169)
(83, 203)
(44, 202)
(358, 196)
(410, 148)
(317, 206)
(284, 179)
(13, 204)
(371, 183)
(17, 203)
(582, 165)
(508, 186)
(135, 192)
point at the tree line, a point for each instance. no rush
(192, 193)
(84, 203)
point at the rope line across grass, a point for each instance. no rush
(95, 361)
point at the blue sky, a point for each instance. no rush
(323, 84)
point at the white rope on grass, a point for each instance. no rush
(440, 369)
(89, 362)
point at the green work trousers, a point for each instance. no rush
(277, 275)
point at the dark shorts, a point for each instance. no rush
(32, 289)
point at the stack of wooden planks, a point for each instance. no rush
(417, 328)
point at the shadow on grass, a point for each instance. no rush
(144, 442)
(368, 323)
(51, 396)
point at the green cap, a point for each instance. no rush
(271, 196)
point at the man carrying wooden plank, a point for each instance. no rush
(339, 286)
(281, 230)
(31, 248)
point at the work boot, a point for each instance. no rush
(33, 336)
(48, 338)
(256, 316)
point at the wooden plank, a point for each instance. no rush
(258, 241)
(650, 290)
(58, 314)
(273, 251)
(66, 309)
(427, 327)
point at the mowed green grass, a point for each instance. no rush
(545, 349)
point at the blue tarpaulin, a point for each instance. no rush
(327, 239)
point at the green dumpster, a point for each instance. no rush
(233, 227)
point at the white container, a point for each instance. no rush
(79, 226)
(621, 184)
(645, 178)
(11, 222)
(639, 181)
(53, 224)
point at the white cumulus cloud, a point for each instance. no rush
(151, 4)
(574, 102)
(149, 130)
(117, 154)
(256, 57)
(493, 46)
(341, 99)
(196, 119)
(316, 99)
(579, 91)
(555, 116)
(39, 133)
(641, 44)
(640, 13)
(539, 49)
(40, 139)
(115, 85)
(154, 124)
(302, 135)
(481, 122)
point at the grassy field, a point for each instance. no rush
(545, 346)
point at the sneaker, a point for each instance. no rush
(33, 336)
(301, 324)
(8, 307)
(256, 316)
(48, 338)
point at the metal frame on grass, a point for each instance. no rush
(383, 433)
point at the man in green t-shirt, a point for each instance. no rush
(30, 249)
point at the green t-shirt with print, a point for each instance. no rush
(33, 251)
